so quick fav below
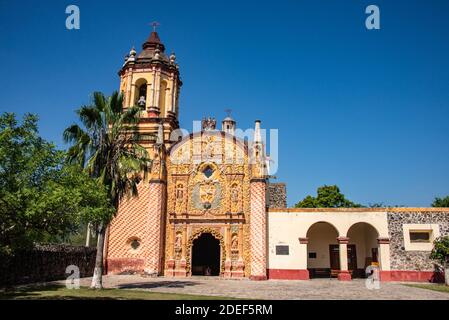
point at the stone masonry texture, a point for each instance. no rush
(277, 195)
(45, 263)
(413, 260)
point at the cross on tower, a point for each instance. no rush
(155, 24)
(228, 112)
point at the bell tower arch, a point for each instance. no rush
(151, 80)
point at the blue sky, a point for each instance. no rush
(366, 110)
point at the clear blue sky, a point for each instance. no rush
(366, 110)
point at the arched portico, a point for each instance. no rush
(321, 236)
(344, 255)
(315, 253)
(363, 248)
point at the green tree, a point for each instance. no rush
(327, 197)
(441, 202)
(107, 147)
(41, 199)
(440, 253)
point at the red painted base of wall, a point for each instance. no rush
(395, 275)
(413, 276)
(288, 274)
(344, 276)
(258, 278)
(115, 266)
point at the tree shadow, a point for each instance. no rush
(26, 292)
(37, 292)
(438, 274)
(158, 284)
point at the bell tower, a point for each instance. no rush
(150, 79)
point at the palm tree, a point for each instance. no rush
(108, 150)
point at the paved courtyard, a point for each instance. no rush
(271, 289)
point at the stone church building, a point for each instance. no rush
(209, 208)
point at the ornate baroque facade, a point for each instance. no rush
(208, 208)
(199, 184)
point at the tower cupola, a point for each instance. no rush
(228, 125)
(150, 79)
(153, 42)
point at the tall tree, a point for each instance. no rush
(41, 199)
(107, 147)
(441, 202)
(327, 197)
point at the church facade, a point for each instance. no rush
(209, 208)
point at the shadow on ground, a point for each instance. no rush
(51, 292)
(158, 284)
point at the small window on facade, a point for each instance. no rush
(420, 236)
(208, 172)
(135, 244)
(282, 250)
(312, 255)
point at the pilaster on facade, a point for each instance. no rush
(155, 227)
(258, 230)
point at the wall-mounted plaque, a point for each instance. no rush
(282, 250)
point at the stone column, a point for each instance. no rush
(258, 229)
(182, 272)
(343, 274)
(169, 101)
(152, 91)
(240, 242)
(240, 267)
(153, 261)
(128, 96)
(152, 103)
(132, 95)
(157, 89)
(148, 97)
(384, 258)
(170, 272)
(228, 264)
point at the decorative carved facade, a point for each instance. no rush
(199, 184)
(208, 183)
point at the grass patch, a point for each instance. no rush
(58, 292)
(434, 287)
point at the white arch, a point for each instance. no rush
(323, 221)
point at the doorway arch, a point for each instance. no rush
(322, 239)
(363, 237)
(197, 234)
(206, 256)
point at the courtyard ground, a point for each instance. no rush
(271, 289)
(60, 292)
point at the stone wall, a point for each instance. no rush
(413, 260)
(277, 195)
(46, 263)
